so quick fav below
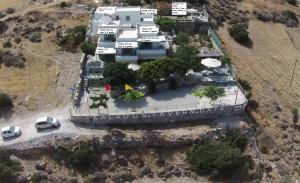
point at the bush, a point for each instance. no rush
(239, 33)
(7, 44)
(134, 2)
(166, 24)
(235, 139)
(290, 14)
(245, 85)
(225, 60)
(182, 38)
(38, 177)
(214, 159)
(295, 115)
(5, 100)
(63, 4)
(212, 92)
(292, 2)
(2, 15)
(10, 11)
(73, 38)
(9, 169)
(3, 27)
(88, 48)
(132, 95)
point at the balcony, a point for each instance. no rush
(145, 54)
(127, 58)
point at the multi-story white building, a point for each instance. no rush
(127, 34)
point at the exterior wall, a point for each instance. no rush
(161, 117)
(135, 17)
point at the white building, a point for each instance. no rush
(128, 34)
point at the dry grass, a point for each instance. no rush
(11, 4)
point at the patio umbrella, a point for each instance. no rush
(134, 67)
(211, 62)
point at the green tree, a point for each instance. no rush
(184, 59)
(99, 101)
(155, 70)
(182, 38)
(5, 100)
(73, 38)
(239, 33)
(82, 157)
(117, 74)
(88, 48)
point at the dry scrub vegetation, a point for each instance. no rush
(48, 71)
(268, 64)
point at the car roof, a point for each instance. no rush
(6, 128)
(41, 119)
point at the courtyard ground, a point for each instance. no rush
(164, 100)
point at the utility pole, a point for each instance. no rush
(293, 72)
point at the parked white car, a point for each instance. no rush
(10, 131)
(46, 122)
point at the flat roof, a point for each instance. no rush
(128, 8)
(105, 51)
(144, 29)
(152, 39)
(126, 44)
(131, 33)
(106, 9)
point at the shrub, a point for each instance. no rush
(245, 85)
(182, 38)
(164, 8)
(225, 60)
(214, 159)
(82, 157)
(9, 169)
(239, 33)
(212, 92)
(134, 2)
(63, 4)
(38, 177)
(292, 2)
(2, 15)
(88, 48)
(132, 95)
(166, 24)
(236, 140)
(3, 27)
(290, 14)
(5, 100)
(10, 11)
(295, 115)
(7, 44)
(73, 38)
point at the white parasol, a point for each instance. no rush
(211, 62)
(134, 67)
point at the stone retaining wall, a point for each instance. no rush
(158, 117)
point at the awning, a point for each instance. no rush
(126, 44)
(105, 51)
(107, 31)
(152, 39)
(148, 29)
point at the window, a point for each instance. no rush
(127, 18)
